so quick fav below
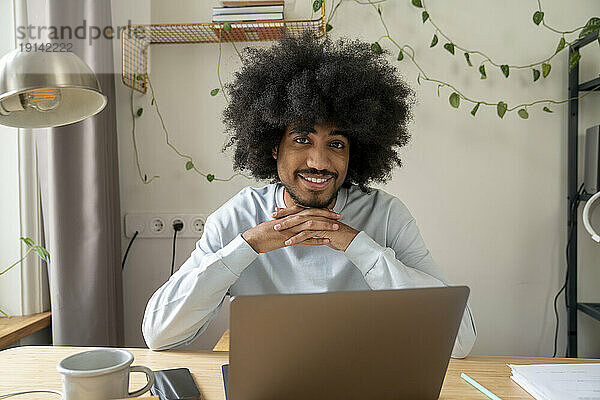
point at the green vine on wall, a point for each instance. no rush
(539, 68)
(189, 160)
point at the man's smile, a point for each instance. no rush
(315, 181)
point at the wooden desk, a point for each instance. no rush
(223, 343)
(31, 367)
(15, 328)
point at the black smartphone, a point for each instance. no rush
(175, 384)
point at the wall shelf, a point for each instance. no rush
(137, 39)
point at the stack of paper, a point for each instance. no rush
(559, 381)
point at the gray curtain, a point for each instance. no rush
(79, 179)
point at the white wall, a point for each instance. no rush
(10, 245)
(489, 195)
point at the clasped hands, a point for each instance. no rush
(300, 225)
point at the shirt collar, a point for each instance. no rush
(340, 202)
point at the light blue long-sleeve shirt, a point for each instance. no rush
(387, 253)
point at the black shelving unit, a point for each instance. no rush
(574, 198)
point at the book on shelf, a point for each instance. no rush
(238, 3)
(247, 17)
(247, 10)
(249, 33)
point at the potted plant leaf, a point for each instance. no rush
(41, 252)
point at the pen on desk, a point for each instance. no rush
(479, 387)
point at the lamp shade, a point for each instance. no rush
(47, 89)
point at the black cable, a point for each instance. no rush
(127, 251)
(173, 260)
(573, 211)
(177, 226)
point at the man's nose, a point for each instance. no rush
(318, 158)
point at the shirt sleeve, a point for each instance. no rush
(182, 308)
(406, 264)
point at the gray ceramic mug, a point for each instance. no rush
(100, 374)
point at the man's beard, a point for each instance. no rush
(313, 202)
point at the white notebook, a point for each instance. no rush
(559, 381)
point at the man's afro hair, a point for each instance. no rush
(316, 81)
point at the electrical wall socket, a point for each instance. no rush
(160, 225)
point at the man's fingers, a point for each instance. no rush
(284, 212)
(316, 241)
(297, 210)
(301, 223)
(302, 236)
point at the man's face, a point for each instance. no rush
(312, 162)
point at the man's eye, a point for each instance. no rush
(302, 140)
(337, 145)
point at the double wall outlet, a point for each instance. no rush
(160, 225)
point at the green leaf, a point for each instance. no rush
(454, 100)
(523, 113)
(591, 26)
(536, 74)
(210, 177)
(468, 58)
(425, 16)
(139, 112)
(505, 70)
(214, 92)
(546, 69)
(482, 71)
(501, 109)
(449, 47)
(401, 56)
(317, 5)
(561, 45)
(189, 165)
(474, 110)
(27, 241)
(139, 77)
(417, 3)
(376, 48)
(434, 41)
(328, 27)
(547, 110)
(538, 16)
(227, 26)
(41, 252)
(574, 59)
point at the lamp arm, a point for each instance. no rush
(586, 217)
(21, 19)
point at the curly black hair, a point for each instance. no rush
(312, 80)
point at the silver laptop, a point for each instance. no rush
(388, 344)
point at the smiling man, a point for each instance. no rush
(322, 120)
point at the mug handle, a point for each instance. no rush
(149, 375)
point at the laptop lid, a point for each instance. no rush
(388, 344)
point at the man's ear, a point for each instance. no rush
(275, 152)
